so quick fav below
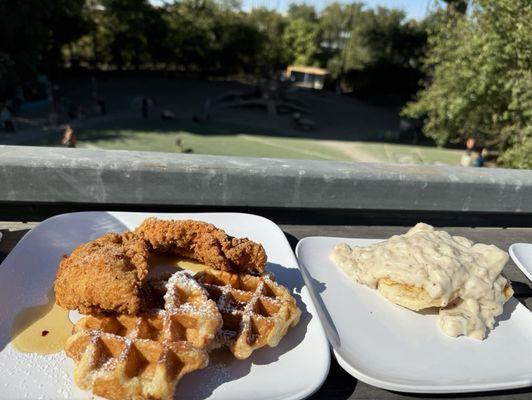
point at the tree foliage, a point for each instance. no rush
(32, 33)
(476, 55)
(190, 34)
(337, 23)
(210, 36)
(303, 11)
(271, 25)
(371, 51)
(300, 38)
(479, 83)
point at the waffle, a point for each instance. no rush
(256, 311)
(144, 356)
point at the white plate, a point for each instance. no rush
(27, 274)
(521, 254)
(391, 347)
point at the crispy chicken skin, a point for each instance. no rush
(203, 242)
(103, 275)
(107, 274)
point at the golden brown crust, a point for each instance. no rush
(408, 296)
(508, 291)
(103, 275)
(203, 242)
(256, 311)
(144, 356)
(107, 274)
(416, 298)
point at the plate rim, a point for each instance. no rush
(307, 390)
(383, 384)
(517, 260)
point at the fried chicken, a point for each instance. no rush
(203, 242)
(103, 275)
(108, 274)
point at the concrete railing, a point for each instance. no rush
(44, 175)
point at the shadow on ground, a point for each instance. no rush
(121, 129)
(337, 117)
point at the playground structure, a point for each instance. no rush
(307, 77)
(276, 97)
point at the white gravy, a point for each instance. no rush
(465, 276)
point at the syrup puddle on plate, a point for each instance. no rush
(41, 329)
(161, 263)
(45, 329)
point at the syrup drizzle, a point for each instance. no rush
(41, 329)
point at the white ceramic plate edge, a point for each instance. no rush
(517, 260)
(352, 370)
(314, 311)
(311, 307)
(426, 389)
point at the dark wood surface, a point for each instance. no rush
(339, 385)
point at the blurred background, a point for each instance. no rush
(413, 81)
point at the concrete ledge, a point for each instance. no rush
(43, 175)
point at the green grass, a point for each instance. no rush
(227, 145)
(216, 138)
(224, 138)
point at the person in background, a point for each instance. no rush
(468, 159)
(7, 121)
(145, 106)
(479, 160)
(179, 144)
(69, 137)
(470, 143)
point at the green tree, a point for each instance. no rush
(213, 37)
(371, 52)
(191, 34)
(336, 22)
(130, 23)
(32, 33)
(66, 20)
(271, 26)
(383, 36)
(124, 34)
(459, 6)
(301, 39)
(301, 35)
(479, 83)
(302, 11)
(240, 44)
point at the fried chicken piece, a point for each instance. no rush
(103, 275)
(107, 274)
(203, 242)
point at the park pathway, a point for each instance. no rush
(352, 150)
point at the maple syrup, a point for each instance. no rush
(41, 329)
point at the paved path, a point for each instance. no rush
(352, 149)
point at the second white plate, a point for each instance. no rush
(391, 347)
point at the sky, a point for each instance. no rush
(416, 9)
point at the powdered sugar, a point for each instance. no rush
(243, 304)
(197, 303)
